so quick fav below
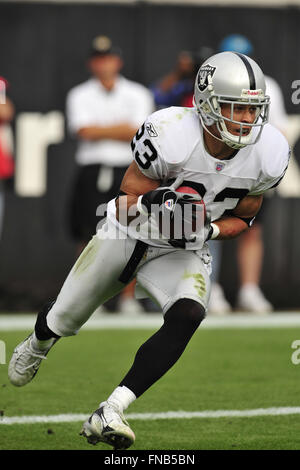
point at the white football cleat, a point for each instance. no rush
(107, 424)
(25, 362)
(251, 299)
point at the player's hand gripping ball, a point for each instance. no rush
(180, 213)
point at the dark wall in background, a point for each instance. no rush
(43, 49)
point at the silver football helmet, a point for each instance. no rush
(235, 79)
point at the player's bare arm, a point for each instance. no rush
(231, 227)
(134, 184)
(122, 132)
(6, 111)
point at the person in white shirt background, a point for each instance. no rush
(103, 113)
(250, 249)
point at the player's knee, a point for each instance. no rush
(187, 312)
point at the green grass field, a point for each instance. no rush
(221, 369)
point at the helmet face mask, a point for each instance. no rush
(240, 140)
(235, 81)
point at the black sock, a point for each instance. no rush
(42, 331)
(160, 352)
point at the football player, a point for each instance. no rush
(226, 151)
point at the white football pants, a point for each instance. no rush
(165, 275)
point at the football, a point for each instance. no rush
(189, 190)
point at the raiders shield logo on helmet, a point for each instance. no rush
(204, 71)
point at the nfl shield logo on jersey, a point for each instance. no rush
(220, 166)
(203, 76)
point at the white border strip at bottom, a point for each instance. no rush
(70, 418)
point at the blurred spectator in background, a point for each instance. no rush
(199, 57)
(177, 87)
(250, 248)
(7, 112)
(104, 114)
(171, 89)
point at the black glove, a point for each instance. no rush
(167, 206)
(166, 198)
(158, 197)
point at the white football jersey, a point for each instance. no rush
(170, 143)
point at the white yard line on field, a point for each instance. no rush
(100, 321)
(70, 418)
